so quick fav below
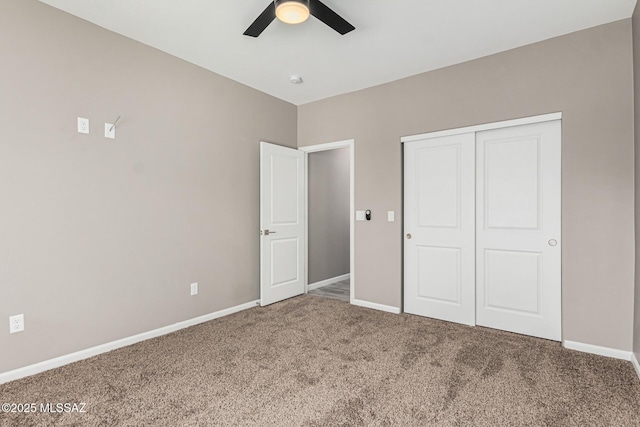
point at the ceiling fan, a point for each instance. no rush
(295, 12)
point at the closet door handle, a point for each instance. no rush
(553, 242)
(408, 236)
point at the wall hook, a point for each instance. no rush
(114, 123)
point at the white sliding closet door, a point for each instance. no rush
(439, 215)
(482, 223)
(518, 247)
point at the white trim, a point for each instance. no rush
(484, 126)
(103, 348)
(636, 364)
(352, 220)
(351, 144)
(327, 146)
(327, 282)
(376, 306)
(595, 349)
(306, 222)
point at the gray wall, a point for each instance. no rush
(328, 197)
(101, 238)
(636, 85)
(587, 76)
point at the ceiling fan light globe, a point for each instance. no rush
(292, 12)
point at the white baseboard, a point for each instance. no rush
(103, 348)
(327, 282)
(375, 306)
(601, 351)
(636, 364)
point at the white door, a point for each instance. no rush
(282, 245)
(439, 222)
(518, 278)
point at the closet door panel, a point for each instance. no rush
(439, 228)
(518, 248)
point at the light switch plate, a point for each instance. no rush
(109, 131)
(360, 216)
(391, 216)
(194, 289)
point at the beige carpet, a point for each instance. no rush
(319, 362)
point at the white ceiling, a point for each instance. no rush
(393, 38)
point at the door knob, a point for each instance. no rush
(553, 242)
(408, 236)
(267, 232)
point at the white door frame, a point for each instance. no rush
(349, 143)
(486, 126)
(480, 128)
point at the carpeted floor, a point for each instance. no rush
(320, 362)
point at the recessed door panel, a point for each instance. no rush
(439, 275)
(284, 206)
(511, 183)
(284, 268)
(438, 173)
(512, 281)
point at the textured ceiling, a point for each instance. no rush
(392, 40)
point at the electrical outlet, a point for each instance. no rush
(16, 323)
(194, 289)
(83, 125)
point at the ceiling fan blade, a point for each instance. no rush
(329, 17)
(262, 21)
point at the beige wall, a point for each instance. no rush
(328, 197)
(636, 85)
(587, 76)
(101, 238)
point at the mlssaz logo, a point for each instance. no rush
(68, 408)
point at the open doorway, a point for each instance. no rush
(329, 205)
